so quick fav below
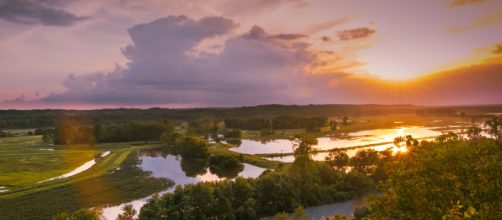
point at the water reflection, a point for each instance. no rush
(346, 208)
(360, 138)
(192, 170)
(182, 171)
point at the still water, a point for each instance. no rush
(360, 138)
(345, 208)
(178, 170)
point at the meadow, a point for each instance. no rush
(114, 179)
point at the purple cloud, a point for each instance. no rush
(356, 33)
(37, 12)
(253, 68)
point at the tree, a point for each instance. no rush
(333, 125)
(128, 213)
(299, 214)
(338, 159)
(193, 148)
(494, 127)
(408, 140)
(48, 137)
(345, 120)
(447, 137)
(82, 214)
(225, 166)
(365, 161)
(337, 217)
(474, 133)
(303, 146)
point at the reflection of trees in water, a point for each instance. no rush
(157, 152)
(234, 141)
(225, 166)
(338, 136)
(222, 166)
(266, 140)
(194, 166)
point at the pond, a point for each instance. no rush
(182, 172)
(360, 138)
(179, 170)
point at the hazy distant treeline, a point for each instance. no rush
(283, 122)
(84, 134)
(49, 118)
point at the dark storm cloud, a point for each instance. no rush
(356, 33)
(42, 12)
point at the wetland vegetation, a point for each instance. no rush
(217, 162)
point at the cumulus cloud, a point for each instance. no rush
(497, 49)
(256, 67)
(356, 33)
(44, 12)
(253, 68)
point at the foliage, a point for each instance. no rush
(277, 123)
(128, 213)
(225, 166)
(82, 214)
(232, 133)
(447, 179)
(474, 133)
(495, 127)
(338, 159)
(71, 134)
(365, 161)
(68, 133)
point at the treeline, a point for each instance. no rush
(50, 118)
(65, 134)
(282, 122)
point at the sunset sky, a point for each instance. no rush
(85, 54)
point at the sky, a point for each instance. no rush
(86, 54)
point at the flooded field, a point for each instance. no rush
(178, 170)
(361, 138)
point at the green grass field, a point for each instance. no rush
(25, 161)
(222, 149)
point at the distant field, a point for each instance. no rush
(24, 160)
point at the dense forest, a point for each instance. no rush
(49, 118)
